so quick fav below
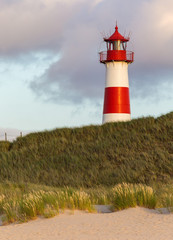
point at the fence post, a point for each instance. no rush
(5, 136)
(20, 134)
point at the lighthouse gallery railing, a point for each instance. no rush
(116, 55)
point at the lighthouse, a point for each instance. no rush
(116, 59)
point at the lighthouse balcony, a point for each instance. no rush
(116, 55)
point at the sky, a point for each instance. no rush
(50, 75)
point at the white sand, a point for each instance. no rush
(130, 224)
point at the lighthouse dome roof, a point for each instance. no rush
(116, 36)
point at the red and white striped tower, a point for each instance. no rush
(116, 59)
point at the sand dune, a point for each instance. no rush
(130, 224)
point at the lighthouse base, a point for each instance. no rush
(116, 117)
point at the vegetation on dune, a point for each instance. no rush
(75, 168)
(20, 203)
(5, 146)
(132, 195)
(139, 151)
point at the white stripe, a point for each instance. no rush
(117, 74)
(116, 117)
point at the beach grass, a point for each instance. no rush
(21, 206)
(20, 203)
(124, 164)
(139, 151)
(132, 195)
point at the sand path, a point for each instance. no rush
(130, 224)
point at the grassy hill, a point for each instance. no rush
(140, 151)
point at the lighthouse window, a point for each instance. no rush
(110, 46)
(116, 45)
(124, 45)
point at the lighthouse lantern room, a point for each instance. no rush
(116, 59)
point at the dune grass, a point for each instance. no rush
(139, 151)
(20, 202)
(132, 195)
(76, 168)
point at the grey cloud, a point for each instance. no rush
(29, 26)
(75, 31)
(79, 75)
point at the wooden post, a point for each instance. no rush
(5, 136)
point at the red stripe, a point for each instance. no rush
(116, 100)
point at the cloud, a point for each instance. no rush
(152, 40)
(74, 29)
(29, 25)
(78, 75)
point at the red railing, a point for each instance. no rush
(116, 55)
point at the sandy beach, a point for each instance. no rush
(130, 224)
